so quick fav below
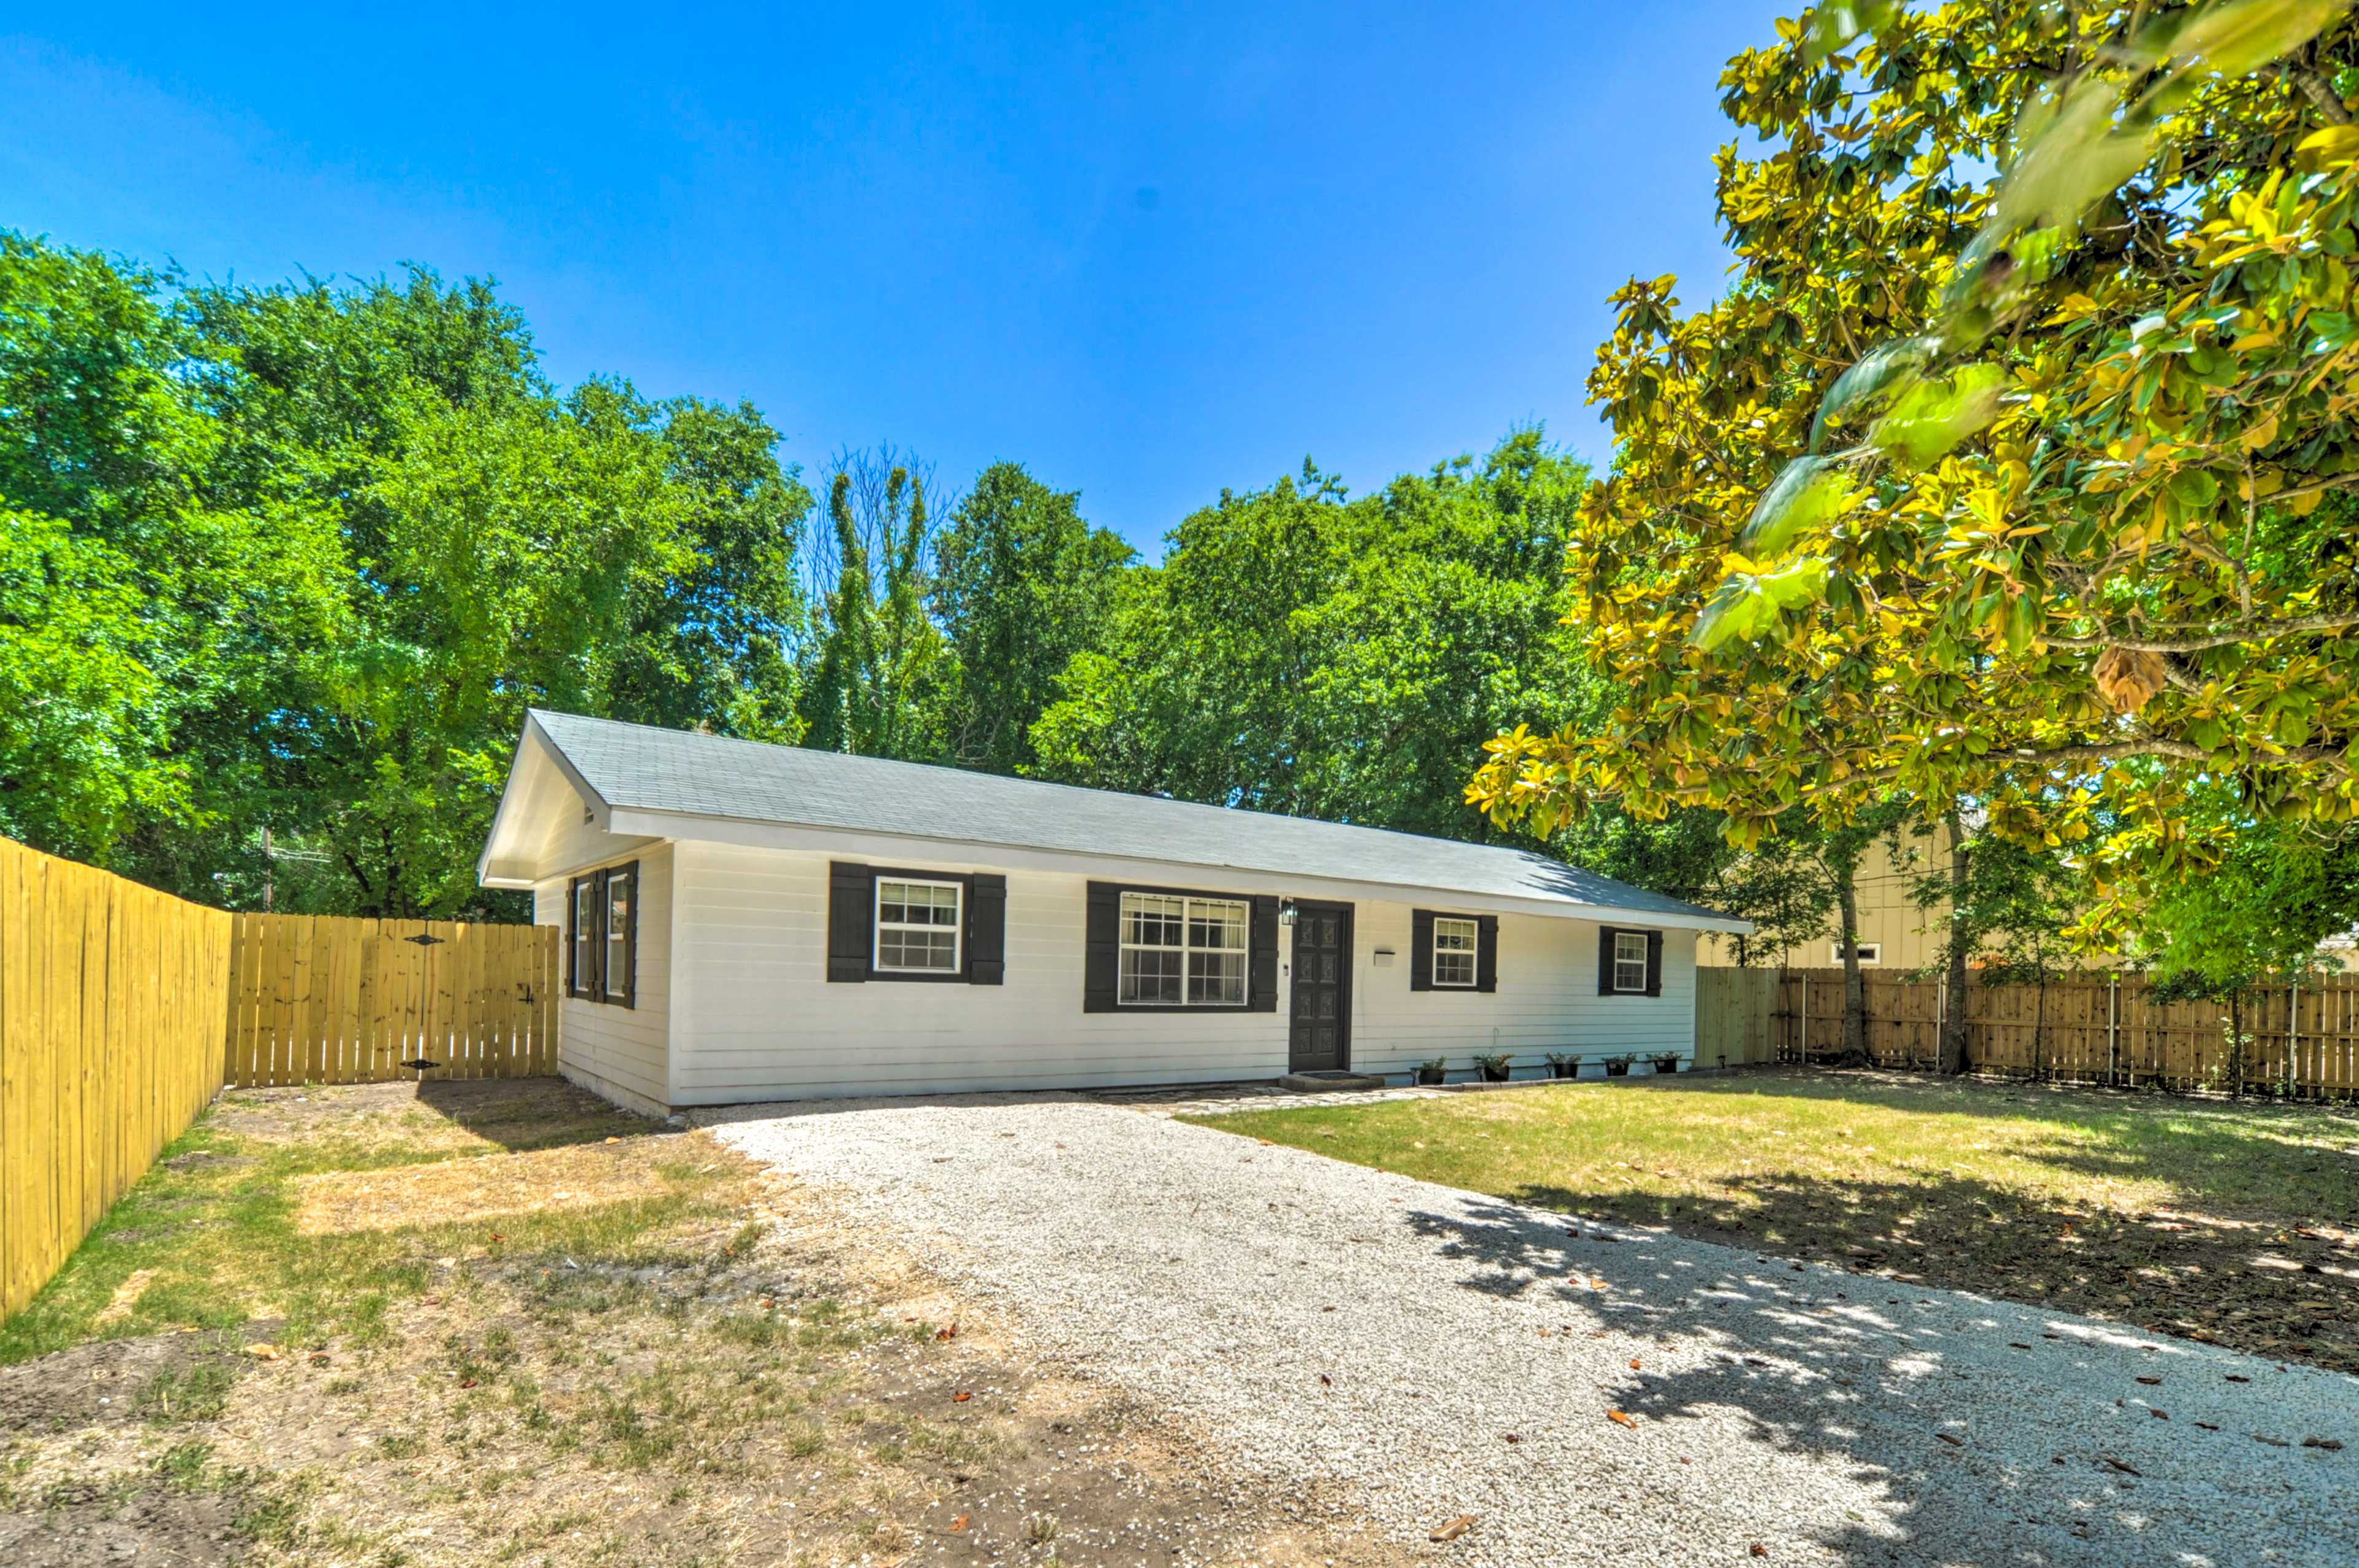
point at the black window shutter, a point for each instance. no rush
(1101, 947)
(851, 920)
(631, 935)
(1654, 963)
(1605, 960)
(1421, 949)
(986, 929)
(1486, 952)
(573, 937)
(1261, 961)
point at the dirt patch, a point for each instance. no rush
(82, 1525)
(453, 1191)
(518, 1113)
(121, 1382)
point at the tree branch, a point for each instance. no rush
(2320, 92)
(2197, 641)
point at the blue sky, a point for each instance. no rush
(1150, 253)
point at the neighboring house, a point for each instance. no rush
(1895, 931)
(745, 922)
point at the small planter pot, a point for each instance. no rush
(1564, 1069)
(1667, 1064)
(1430, 1075)
(1617, 1069)
(1495, 1074)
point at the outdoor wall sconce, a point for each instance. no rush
(1286, 912)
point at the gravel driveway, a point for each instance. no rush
(1413, 1353)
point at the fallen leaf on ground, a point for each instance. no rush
(958, 1523)
(1634, 1363)
(262, 1352)
(2112, 1463)
(1450, 1530)
(2331, 1444)
(1758, 1550)
(2149, 1382)
(949, 1332)
(960, 1397)
(1618, 1417)
(1954, 1440)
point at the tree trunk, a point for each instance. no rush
(1854, 1020)
(1954, 1020)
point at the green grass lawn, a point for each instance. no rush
(2217, 1220)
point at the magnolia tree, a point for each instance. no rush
(2034, 492)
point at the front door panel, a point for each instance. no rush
(1320, 1038)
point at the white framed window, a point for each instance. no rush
(618, 929)
(1629, 960)
(1869, 952)
(1454, 951)
(918, 927)
(585, 935)
(1182, 952)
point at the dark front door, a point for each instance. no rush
(1321, 1039)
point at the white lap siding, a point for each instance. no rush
(1546, 1001)
(757, 1018)
(753, 1016)
(615, 1051)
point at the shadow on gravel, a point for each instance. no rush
(1853, 1369)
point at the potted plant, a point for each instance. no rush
(1667, 1062)
(1619, 1066)
(1494, 1067)
(1434, 1072)
(1563, 1065)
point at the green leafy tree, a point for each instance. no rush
(712, 647)
(1298, 650)
(2032, 492)
(1022, 584)
(141, 605)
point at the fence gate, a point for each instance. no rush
(322, 999)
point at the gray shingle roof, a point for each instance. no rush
(634, 767)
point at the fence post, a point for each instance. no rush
(2293, 1033)
(2112, 1027)
(1803, 1041)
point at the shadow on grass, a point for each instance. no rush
(521, 1114)
(2288, 1163)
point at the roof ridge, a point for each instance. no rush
(696, 773)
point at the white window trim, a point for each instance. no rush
(1122, 944)
(615, 973)
(584, 894)
(1619, 961)
(1472, 932)
(1870, 953)
(878, 926)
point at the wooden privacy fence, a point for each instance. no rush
(112, 997)
(323, 999)
(2094, 1027)
(1737, 1017)
(124, 1010)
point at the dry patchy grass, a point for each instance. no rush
(502, 1324)
(2236, 1223)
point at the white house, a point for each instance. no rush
(745, 922)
